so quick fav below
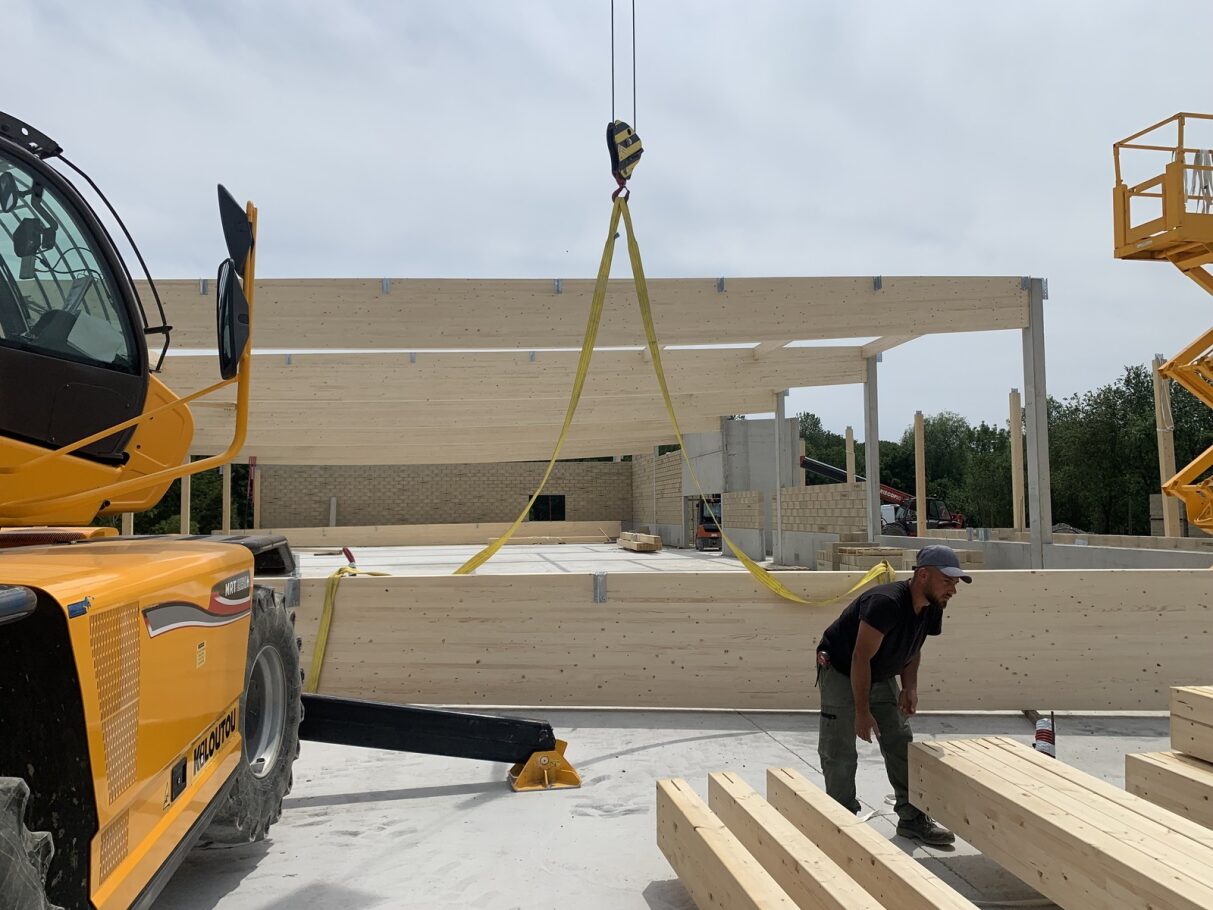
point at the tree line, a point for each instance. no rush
(1103, 455)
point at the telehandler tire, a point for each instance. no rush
(25, 856)
(270, 710)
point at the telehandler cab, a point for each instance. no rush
(150, 689)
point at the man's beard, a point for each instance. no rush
(937, 604)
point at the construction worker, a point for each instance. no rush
(876, 639)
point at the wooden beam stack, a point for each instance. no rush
(1081, 842)
(641, 543)
(1181, 780)
(801, 849)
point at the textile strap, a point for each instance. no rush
(881, 571)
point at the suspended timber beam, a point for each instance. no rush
(523, 313)
(887, 343)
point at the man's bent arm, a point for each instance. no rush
(867, 643)
(909, 676)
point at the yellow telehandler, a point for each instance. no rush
(150, 689)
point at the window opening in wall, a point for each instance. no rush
(547, 508)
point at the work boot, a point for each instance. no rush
(927, 830)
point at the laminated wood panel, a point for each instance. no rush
(1175, 781)
(799, 866)
(1068, 640)
(460, 313)
(1082, 843)
(892, 876)
(1192, 721)
(710, 861)
(455, 376)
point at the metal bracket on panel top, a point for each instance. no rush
(1026, 282)
(877, 282)
(202, 286)
(719, 285)
(385, 285)
(600, 594)
(556, 285)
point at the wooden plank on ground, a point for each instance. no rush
(798, 865)
(639, 543)
(893, 877)
(1079, 848)
(1174, 781)
(710, 861)
(1192, 721)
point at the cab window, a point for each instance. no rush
(57, 294)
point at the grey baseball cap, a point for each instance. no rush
(942, 558)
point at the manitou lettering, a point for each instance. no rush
(213, 741)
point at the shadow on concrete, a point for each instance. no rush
(208, 874)
(383, 796)
(661, 744)
(667, 895)
(980, 878)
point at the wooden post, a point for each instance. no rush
(185, 501)
(1016, 426)
(1165, 426)
(128, 524)
(227, 498)
(920, 473)
(850, 455)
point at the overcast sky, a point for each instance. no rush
(465, 139)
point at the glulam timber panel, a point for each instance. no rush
(1063, 832)
(1066, 640)
(710, 861)
(1177, 782)
(445, 313)
(460, 376)
(892, 876)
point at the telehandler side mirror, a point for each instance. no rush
(237, 231)
(232, 317)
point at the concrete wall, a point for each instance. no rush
(836, 508)
(1013, 555)
(744, 522)
(669, 500)
(298, 496)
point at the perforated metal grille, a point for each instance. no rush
(114, 844)
(114, 635)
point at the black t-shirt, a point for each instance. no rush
(888, 609)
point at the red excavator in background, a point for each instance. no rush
(899, 509)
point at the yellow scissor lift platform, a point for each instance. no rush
(1169, 217)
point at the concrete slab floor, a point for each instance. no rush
(365, 829)
(319, 562)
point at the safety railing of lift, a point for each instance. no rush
(1182, 184)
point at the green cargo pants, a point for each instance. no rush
(836, 741)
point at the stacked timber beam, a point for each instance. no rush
(1083, 843)
(1181, 780)
(640, 543)
(797, 848)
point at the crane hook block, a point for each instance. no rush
(625, 148)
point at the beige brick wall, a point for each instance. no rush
(836, 508)
(742, 510)
(642, 489)
(669, 489)
(297, 496)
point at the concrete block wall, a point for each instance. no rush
(297, 496)
(742, 510)
(669, 489)
(836, 508)
(642, 490)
